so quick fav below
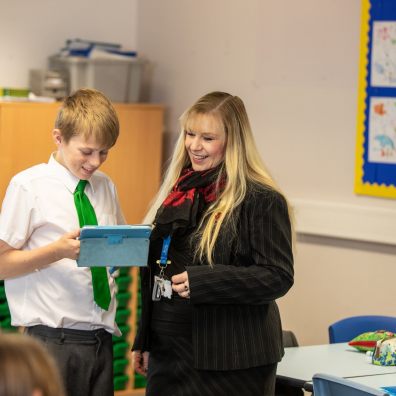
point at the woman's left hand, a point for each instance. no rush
(180, 284)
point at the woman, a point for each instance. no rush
(26, 368)
(220, 254)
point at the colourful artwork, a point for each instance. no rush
(383, 60)
(375, 172)
(382, 130)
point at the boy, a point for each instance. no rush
(42, 212)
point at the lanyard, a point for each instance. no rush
(163, 261)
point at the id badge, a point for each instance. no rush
(157, 289)
(162, 288)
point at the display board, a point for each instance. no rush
(375, 172)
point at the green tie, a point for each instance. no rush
(87, 216)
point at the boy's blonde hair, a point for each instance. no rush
(242, 165)
(88, 112)
(26, 366)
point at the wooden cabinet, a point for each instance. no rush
(134, 164)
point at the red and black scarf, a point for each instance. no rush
(182, 208)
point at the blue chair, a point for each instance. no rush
(330, 385)
(346, 329)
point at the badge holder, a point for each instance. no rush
(162, 285)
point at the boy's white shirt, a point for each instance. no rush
(38, 209)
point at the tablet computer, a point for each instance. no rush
(114, 246)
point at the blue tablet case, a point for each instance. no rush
(114, 246)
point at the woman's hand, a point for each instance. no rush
(140, 361)
(181, 285)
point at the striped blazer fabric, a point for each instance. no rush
(235, 318)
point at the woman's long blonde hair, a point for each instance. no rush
(242, 165)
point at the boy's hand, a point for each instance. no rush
(68, 246)
(15, 262)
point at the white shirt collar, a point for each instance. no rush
(65, 176)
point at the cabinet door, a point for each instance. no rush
(25, 137)
(134, 163)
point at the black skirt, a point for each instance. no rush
(171, 369)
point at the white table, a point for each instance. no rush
(376, 381)
(300, 363)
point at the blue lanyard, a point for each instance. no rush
(163, 261)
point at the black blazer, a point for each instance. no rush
(236, 322)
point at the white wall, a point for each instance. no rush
(295, 64)
(32, 31)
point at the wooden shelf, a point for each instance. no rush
(130, 392)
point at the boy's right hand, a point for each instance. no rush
(15, 262)
(68, 246)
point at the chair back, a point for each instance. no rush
(289, 339)
(330, 385)
(282, 388)
(346, 329)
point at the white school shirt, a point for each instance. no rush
(38, 209)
